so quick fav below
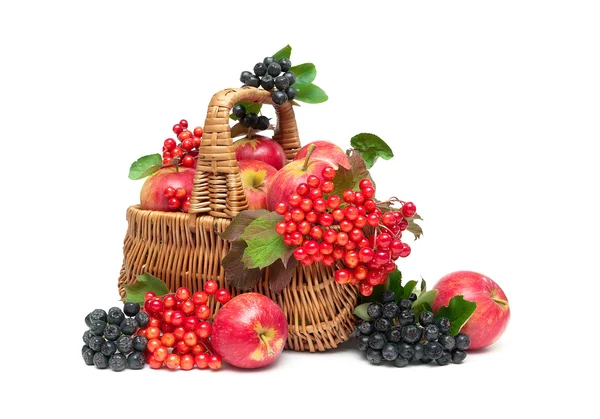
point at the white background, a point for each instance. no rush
(491, 108)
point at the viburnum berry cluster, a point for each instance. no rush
(178, 198)
(351, 232)
(179, 330)
(187, 150)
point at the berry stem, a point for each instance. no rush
(311, 149)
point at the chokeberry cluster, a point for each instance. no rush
(333, 230)
(178, 330)
(179, 199)
(274, 76)
(186, 151)
(394, 334)
(110, 342)
(250, 120)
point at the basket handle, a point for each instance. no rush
(217, 188)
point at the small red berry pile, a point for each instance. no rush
(187, 150)
(179, 332)
(178, 198)
(351, 231)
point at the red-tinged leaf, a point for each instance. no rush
(280, 275)
(415, 229)
(240, 222)
(350, 179)
(236, 274)
(265, 246)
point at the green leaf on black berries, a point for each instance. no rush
(265, 246)
(280, 276)
(305, 74)
(350, 179)
(375, 295)
(134, 293)
(394, 283)
(284, 52)
(236, 274)
(237, 226)
(371, 147)
(458, 311)
(424, 301)
(423, 285)
(361, 311)
(408, 289)
(145, 166)
(311, 93)
(414, 228)
(251, 107)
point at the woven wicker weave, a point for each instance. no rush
(185, 250)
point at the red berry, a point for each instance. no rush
(152, 332)
(327, 186)
(297, 216)
(342, 238)
(190, 339)
(198, 132)
(177, 129)
(359, 198)
(281, 208)
(351, 213)
(200, 297)
(328, 260)
(382, 256)
(343, 276)
(169, 192)
(373, 220)
(180, 193)
(368, 192)
(222, 296)
(168, 340)
(348, 196)
(304, 227)
(365, 183)
(405, 251)
(384, 240)
(338, 215)
(211, 287)
(403, 225)
(153, 344)
(182, 347)
(366, 254)
(346, 226)
(170, 144)
(169, 301)
(188, 307)
(179, 332)
(328, 173)
(361, 221)
(356, 235)
(173, 361)
(187, 362)
(326, 220)
(302, 189)
(409, 209)
(201, 360)
(188, 161)
(316, 233)
(311, 216)
(294, 200)
(365, 289)
(167, 154)
(300, 253)
(183, 123)
(396, 247)
(330, 236)
(198, 349)
(364, 242)
(317, 257)
(167, 160)
(306, 204)
(190, 323)
(185, 207)
(290, 227)
(214, 362)
(182, 294)
(178, 152)
(155, 321)
(370, 205)
(280, 227)
(351, 259)
(174, 203)
(313, 181)
(334, 202)
(161, 353)
(320, 205)
(187, 144)
(338, 253)
(311, 247)
(155, 305)
(315, 194)
(325, 248)
(307, 261)
(360, 272)
(287, 239)
(154, 364)
(177, 318)
(388, 219)
(389, 267)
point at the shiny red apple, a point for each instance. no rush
(491, 316)
(326, 151)
(152, 195)
(256, 178)
(286, 180)
(249, 331)
(262, 149)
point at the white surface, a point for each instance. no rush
(492, 112)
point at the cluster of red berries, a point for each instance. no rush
(178, 198)
(350, 231)
(178, 331)
(187, 150)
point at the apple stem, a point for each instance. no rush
(270, 350)
(311, 148)
(260, 186)
(502, 303)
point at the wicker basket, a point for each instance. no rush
(185, 250)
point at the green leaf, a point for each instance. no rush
(415, 229)
(251, 107)
(311, 93)
(135, 292)
(408, 289)
(265, 246)
(424, 301)
(371, 147)
(145, 166)
(423, 285)
(350, 179)
(283, 52)
(394, 283)
(241, 221)
(458, 311)
(375, 295)
(305, 74)
(236, 274)
(280, 275)
(361, 311)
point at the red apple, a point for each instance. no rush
(152, 195)
(260, 148)
(491, 316)
(326, 151)
(249, 331)
(256, 178)
(286, 180)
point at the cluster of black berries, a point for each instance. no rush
(109, 341)
(395, 335)
(250, 120)
(273, 76)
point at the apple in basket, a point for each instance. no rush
(286, 180)
(262, 149)
(249, 331)
(152, 196)
(326, 151)
(256, 178)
